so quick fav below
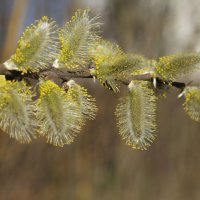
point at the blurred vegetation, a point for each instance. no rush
(98, 165)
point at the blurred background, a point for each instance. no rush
(98, 165)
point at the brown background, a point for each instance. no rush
(98, 165)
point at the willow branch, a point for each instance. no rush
(63, 75)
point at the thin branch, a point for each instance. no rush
(63, 75)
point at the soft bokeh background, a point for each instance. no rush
(98, 165)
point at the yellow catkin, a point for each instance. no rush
(17, 111)
(76, 37)
(85, 101)
(172, 66)
(192, 102)
(58, 114)
(136, 116)
(37, 48)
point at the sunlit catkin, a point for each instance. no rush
(17, 111)
(136, 115)
(76, 37)
(85, 101)
(111, 64)
(37, 48)
(192, 102)
(174, 66)
(58, 115)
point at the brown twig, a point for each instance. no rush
(62, 75)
